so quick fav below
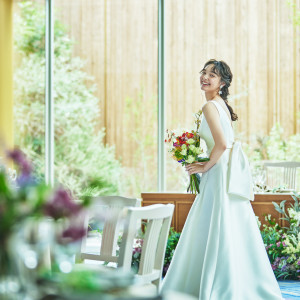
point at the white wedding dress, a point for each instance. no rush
(220, 254)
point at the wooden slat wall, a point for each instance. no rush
(118, 39)
(257, 40)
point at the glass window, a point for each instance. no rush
(253, 38)
(105, 83)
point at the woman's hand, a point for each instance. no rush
(197, 167)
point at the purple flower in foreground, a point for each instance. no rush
(298, 262)
(20, 159)
(74, 233)
(61, 205)
(25, 180)
(273, 267)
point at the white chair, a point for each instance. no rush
(110, 210)
(282, 173)
(157, 228)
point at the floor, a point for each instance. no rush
(290, 289)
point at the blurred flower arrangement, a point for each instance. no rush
(185, 149)
(283, 243)
(25, 204)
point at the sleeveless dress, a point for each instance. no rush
(220, 254)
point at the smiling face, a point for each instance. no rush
(210, 81)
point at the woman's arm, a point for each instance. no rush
(213, 120)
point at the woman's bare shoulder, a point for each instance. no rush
(209, 107)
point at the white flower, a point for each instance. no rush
(195, 150)
(268, 217)
(183, 152)
(198, 150)
(190, 159)
(192, 148)
(294, 214)
(190, 141)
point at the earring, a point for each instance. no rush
(220, 92)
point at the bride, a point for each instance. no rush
(220, 254)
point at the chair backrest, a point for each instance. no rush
(110, 210)
(158, 218)
(282, 173)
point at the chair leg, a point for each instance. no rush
(78, 259)
(156, 282)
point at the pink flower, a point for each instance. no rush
(298, 262)
(137, 250)
(273, 267)
(278, 244)
(284, 244)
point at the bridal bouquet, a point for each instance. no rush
(185, 149)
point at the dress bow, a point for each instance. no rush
(239, 176)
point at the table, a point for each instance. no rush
(261, 205)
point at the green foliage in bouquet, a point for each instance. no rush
(283, 244)
(80, 155)
(185, 149)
